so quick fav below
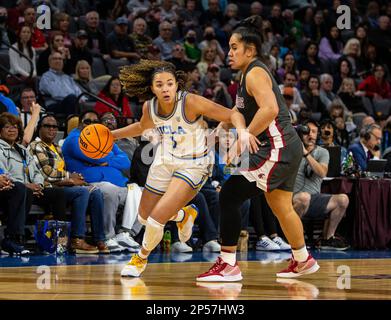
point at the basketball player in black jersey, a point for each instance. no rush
(272, 169)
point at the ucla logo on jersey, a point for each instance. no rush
(168, 129)
(239, 102)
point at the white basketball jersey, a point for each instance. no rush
(181, 138)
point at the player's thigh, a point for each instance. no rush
(280, 201)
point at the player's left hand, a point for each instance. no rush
(245, 140)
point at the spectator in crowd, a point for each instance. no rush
(213, 15)
(330, 47)
(61, 24)
(369, 59)
(381, 38)
(59, 89)
(292, 26)
(164, 40)
(74, 8)
(28, 104)
(231, 17)
(20, 165)
(288, 94)
(117, 10)
(208, 57)
(113, 94)
(275, 53)
(83, 77)
(120, 45)
(193, 80)
(50, 161)
(289, 65)
(179, 59)
(317, 27)
(361, 33)
(96, 38)
(308, 200)
(344, 70)
(341, 134)
(376, 86)
(7, 35)
(256, 8)
(304, 75)
(56, 45)
(13, 203)
(38, 40)
(352, 52)
(20, 66)
(350, 97)
(168, 11)
(15, 14)
(368, 146)
(328, 131)
(210, 41)
(79, 50)
(276, 20)
(189, 17)
(311, 98)
(327, 96)
(138, 8)
(290, 81)
(192, 51)
(105, 174)
(308, 21)
(310, 60)
(214, 88)
(140, 38)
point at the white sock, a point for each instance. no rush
(179, 216)
(228, 257)
(300, 255)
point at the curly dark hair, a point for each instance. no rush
(136, 79)
(9, 118)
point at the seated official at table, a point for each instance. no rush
(368, 147)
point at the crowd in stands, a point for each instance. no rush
(335, 81)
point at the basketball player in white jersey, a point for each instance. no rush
(181, 165)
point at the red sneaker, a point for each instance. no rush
(221, 272)
(297, 269)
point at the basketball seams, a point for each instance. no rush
(96, 153)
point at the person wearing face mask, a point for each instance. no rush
(211, 42)
(193, 52)
(368, 147)
(328, 132)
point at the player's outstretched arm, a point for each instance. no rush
(135, 129)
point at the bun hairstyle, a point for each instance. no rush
(136, 79)
(250, 31)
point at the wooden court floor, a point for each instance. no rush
(336, 279)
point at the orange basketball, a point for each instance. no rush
(96, 141)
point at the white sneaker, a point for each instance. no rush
(283, 245)
(181, 247)
(125, 240)
(113, 245)
(266, 244)
(212, 246)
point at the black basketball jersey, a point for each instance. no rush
(280, 131)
